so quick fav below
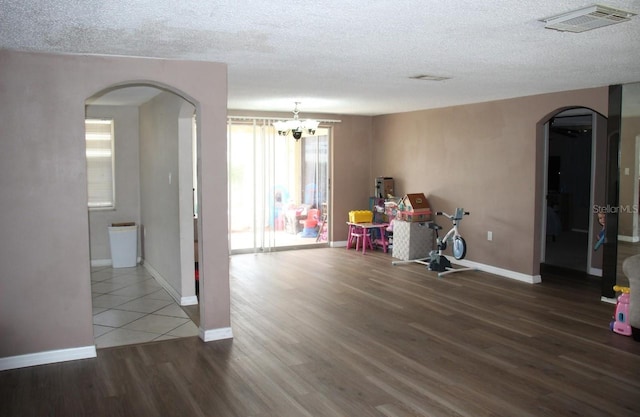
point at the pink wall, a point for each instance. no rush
(45, 296)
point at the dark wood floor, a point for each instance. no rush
(330, 332)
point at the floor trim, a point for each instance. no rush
(629, 239)
(183, 301)
(108, 262)
(189, 301)
(216, 334)
(608, 300)
(100, 262)
(51, 356)
(530, 279)
(596, 272)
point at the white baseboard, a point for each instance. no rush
(189, 301)
(530, 279)
(162, 281)
(51, 356)
(100, 262)
(183, 301)
(630, 239)
(609, 300)
(108, 262)
(215, 334)
(597, 272)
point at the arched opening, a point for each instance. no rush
(152, 176)
(571, 167)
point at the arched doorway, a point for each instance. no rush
(153, 183)
(573, 184)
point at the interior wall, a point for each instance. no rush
(45, 302)
(599, 188)
(352, 171)
(482, 157)
(127, 179)
(629, 180)
(159, 195)
(186, 165)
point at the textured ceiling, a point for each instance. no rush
(344, 56)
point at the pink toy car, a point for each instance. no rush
(620, 322)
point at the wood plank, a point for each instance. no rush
(332, 332)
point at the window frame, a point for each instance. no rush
(108, 152)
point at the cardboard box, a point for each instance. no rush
(416, 208)
(384, 187)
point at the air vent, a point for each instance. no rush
(591, 17)
(426, 77)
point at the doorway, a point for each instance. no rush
(152, 161)
(278, 188)
(569, 190)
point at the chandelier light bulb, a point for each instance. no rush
(296, 126)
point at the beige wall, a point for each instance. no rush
(629, 183)
(45, 302)
(160, 187)
(484, 157)
(352, 171)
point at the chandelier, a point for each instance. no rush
(296, 126)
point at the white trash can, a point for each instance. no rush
(124, 244)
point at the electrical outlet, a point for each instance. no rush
(489, 235)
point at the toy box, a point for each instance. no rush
(412, 240)
(414, 208)
(360, 216)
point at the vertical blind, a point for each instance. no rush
(100, 172)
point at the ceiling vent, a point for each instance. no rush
(591, 17)
(426, 77)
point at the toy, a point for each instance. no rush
(602, 234)
(620, 323)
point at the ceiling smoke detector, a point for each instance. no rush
(588, 18)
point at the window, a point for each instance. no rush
(100, 178)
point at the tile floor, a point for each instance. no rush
(130, 306)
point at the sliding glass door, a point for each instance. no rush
(278, 187)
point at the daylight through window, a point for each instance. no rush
(100, 172)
